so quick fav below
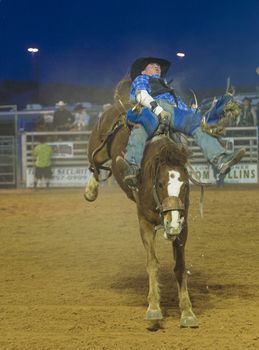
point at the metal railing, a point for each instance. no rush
(21, 161)
(234, 139)
(7, 160)
(69, 159)
(77, 161)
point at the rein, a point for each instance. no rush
(121, 108)
(198, 183)
(93, 167)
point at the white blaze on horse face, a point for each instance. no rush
(173, 189)
(174, 184)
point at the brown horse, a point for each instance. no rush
(162, 200)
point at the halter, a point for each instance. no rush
(169, 203)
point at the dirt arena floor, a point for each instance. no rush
(73, 273)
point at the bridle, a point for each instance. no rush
(169, 203)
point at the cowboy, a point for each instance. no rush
(62, 118)
(247, 116)
(163, 110)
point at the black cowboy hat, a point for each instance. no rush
(79, 107)
(140, 64)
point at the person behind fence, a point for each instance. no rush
(43, 154)
(162, 111)
(82, 118)
(105, 107)
(247, 116)
(62, 119)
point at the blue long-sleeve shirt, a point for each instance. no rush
(141, 82)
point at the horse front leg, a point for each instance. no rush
(188, 318)
(91, 189)
(148, 238)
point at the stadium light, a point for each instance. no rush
(35, 70)
(180, 54)
(33, 50)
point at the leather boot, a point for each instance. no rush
(224, 162)
(128, 170)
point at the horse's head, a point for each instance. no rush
(170, 186)
(171, 192)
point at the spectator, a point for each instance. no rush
(62, 118)
(45, 123)
(82, 118)
(247, 116)
(41, 126)
(48, 120)
(105, 107)
(43, 154)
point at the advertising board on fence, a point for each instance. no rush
(240, 173)
(62, 149)
(62, 177)
(78, 176)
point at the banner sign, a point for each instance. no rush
(78, 176)
(242, 173)
(239, 174)
(61, 177)
(62, 149)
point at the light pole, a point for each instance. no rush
(35, 69)
(179, 75)
(180, 60)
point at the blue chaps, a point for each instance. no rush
(184, 121)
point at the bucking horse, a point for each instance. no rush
(161, 196)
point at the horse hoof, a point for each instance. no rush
(153, 315)
(91, 189)
(189, 321)
(91, 196)
(155, 326)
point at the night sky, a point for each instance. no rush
(95, 42)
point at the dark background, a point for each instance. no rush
(86, 47)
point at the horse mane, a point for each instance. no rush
(119, 107)
(163, 150)
(122, 91)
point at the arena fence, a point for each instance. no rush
(235, 138)
(70, 163)
(7, 161)
(8, 118)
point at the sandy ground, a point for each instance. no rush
(73, 273)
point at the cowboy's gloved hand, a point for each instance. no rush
(165, 117)
(164, 123)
